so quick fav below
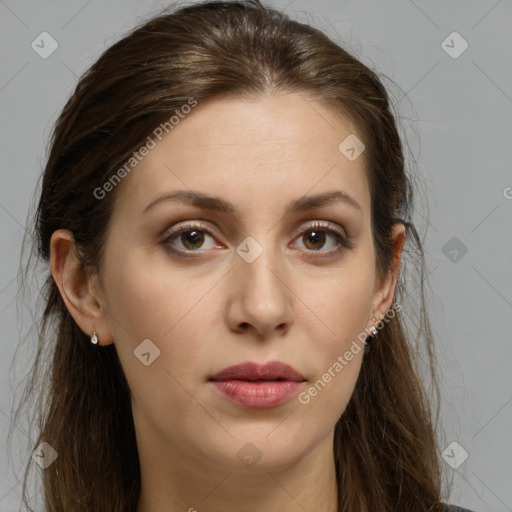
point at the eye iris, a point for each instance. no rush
(316, 236)
(196, 238)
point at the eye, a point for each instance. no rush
(315, 237)
(190, 238)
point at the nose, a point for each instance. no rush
(260, 296)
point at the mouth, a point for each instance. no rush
(257, 386)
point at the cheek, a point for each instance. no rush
(342, 305)
(148, 305)
(336, 360)
(326, 398)
(340, 301)
(163, 305)
(151, 299)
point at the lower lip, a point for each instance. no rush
(257, 394)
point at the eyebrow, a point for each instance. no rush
(206, 202)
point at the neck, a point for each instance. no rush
(175, 481)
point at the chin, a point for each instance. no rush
(257, 448)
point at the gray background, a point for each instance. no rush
(457, 115)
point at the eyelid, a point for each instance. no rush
(324, 225)
(183, 228)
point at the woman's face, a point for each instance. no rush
(252, 281)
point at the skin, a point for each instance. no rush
(211, 311)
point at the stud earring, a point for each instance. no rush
(94, 338)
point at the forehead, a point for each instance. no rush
(252, 151)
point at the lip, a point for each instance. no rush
(258, 386)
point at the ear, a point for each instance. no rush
(385, 287)
(77, 289)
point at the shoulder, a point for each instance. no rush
(454, 508)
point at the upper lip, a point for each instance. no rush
(274, 370)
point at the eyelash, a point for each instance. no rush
(342, 241)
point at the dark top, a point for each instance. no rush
(454, 508)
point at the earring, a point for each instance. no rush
(368, 341)
(94, 338)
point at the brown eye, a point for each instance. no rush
(314, 239)
(188, 239)
(192, 239)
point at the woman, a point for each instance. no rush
(224, 213)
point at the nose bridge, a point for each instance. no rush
(263, 296)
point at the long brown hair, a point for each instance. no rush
(385, 446)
